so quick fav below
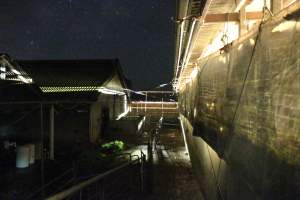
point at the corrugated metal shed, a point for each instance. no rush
(64, 79)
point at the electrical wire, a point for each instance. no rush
(247, 73)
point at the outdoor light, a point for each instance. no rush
(221, 129)
(16, 71)
(240, 47)
(25, 80)
(123, 114)
(183, 134)
(68, 89)
(2, 76)
(81, 89)
(194, 73)
(141, 123)
(109, 91)
(126, 108)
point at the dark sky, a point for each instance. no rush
(138, 32)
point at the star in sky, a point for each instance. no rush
(140, 34)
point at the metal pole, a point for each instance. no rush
(145, 104)
(51, 138)
(145, 110)
(142, 171)
(162, 106)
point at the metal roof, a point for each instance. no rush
(202, 34)
(64, 79)
(70, 73)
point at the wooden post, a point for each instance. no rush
(95, 122)
(51, 136)
(242, 19)
(114, 106)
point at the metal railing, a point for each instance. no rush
(123, 182)
(67, 177)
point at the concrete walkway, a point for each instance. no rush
(172, 176)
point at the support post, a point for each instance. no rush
(42, 158)
(242, 24)
(114, 107)
(51, 136)
(146, 104)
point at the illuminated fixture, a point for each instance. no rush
(194, 73)
(151, 102)
(24, 80)
(252, 41)
(16, 71)
(2, 73)
(109, 91)
(240, 47)
(126, 108)
(183, 134)
(221, 129)
(141, 123)
(81, 89)
(123, 114)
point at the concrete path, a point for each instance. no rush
(171, 170)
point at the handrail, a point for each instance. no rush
(63, 194)
(49, 184)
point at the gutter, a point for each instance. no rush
(181, 12)
(194, 29)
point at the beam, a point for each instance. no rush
(231, 17)
(242, 21)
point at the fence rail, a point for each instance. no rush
(122, 182)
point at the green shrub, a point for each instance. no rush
(112, 147)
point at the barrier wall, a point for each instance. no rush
(244, 104)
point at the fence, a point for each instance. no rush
(123, 182)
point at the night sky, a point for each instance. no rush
(138, 32)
